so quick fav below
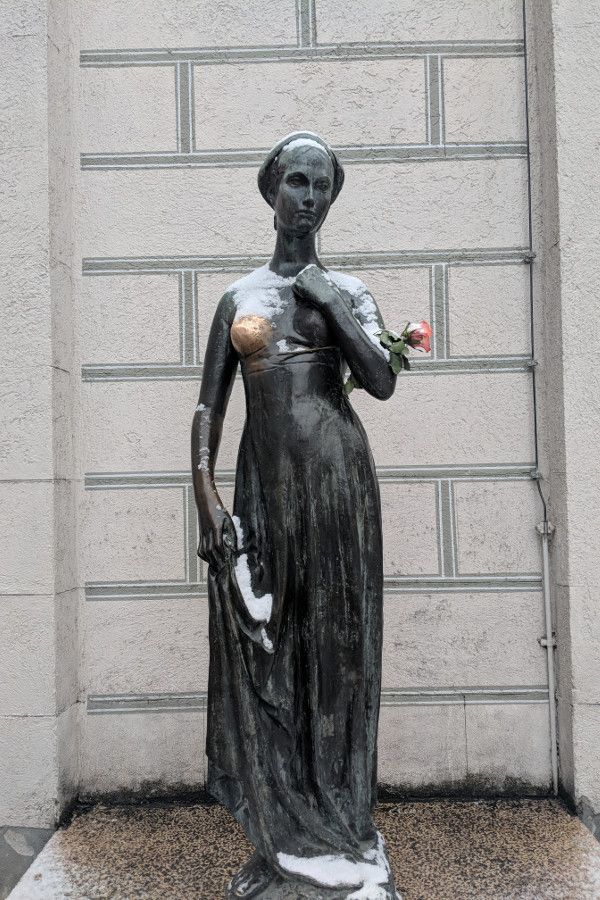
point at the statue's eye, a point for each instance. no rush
(322, 185)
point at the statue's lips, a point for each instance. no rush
(304, 214)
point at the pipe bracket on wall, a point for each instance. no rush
(545, 527)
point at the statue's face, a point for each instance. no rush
(304, 191)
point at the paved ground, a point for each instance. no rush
(440, 850)
(18, 849)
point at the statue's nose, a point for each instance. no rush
(309, 199)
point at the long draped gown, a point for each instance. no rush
(293, 702)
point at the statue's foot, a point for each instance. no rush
(254, 876)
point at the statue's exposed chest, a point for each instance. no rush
(274, 316)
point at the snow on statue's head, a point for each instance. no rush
(300, 179)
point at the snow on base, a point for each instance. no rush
(260, 608)
(338, 871)
(370, 892)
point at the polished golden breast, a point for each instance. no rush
(251, 333)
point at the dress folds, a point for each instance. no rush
(293, 705)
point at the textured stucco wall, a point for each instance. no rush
(434, 218)
(38, 573)
(566, 202)
(160, 212)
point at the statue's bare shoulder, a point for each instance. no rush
(349, 284)
(243, 287)
(258, 293)
(364, 306)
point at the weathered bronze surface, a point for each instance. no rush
(295, 577)
(250, 333)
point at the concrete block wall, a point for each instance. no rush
(425, 103)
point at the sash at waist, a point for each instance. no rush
(329, 354)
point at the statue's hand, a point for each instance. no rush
(314, 287)
(217, 536)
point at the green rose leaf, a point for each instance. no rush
(351, 384)
(396, 363)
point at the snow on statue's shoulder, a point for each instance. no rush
(258, 293)
(348, 283)
(364, 307)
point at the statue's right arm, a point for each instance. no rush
(217, 532)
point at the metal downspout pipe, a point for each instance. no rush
(546, 530)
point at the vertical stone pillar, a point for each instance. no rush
(565, 85)
(38, 574)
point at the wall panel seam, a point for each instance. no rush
(423, 257)
(230, 55)
(188, 701)
(359, 154)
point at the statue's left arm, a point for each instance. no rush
(353, 326)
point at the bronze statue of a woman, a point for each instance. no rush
(295, 576)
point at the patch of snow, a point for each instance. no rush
(260, 608)
(369, 892)
(347, 282)
(372, 329)
(283, 345)
(338, 871)
(257, 294)
(239, 531)
(294, 134)
(204, 412)
(365, 311)
(266, 641)
(304, 142)
(205, 416)
(204, 457)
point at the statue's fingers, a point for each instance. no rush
(214, 557)
(221, 553)
(229, 535)
(202, 548)
(209, 548)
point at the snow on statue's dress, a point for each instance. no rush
(296, 617)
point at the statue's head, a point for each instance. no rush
(300, 179)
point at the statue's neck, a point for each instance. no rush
(293, 252)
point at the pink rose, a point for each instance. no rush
(417, 335)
